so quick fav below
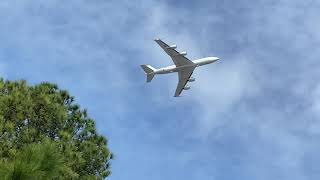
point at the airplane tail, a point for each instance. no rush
(149, 70)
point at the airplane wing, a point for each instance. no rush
(184, 76)
(177, 58)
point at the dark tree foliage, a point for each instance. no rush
(36, 161)
(34, 114)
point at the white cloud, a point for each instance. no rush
(220, 89)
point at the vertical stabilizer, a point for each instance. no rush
(149, 70)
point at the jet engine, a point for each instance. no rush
(191, 79)
(183, 53)
(172, 47)
(186, 88)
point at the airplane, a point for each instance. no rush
(183, 66)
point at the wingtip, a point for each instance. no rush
(156, 39)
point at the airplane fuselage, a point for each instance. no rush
(198, 62)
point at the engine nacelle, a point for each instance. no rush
(186, 88)
(183, 53)
(172, 47)
(191, 79)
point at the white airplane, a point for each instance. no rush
(183, 66)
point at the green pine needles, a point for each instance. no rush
(45, 135)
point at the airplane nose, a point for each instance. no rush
(214, 59)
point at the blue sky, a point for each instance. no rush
(253, 115)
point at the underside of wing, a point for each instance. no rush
(184, 76)
(178, 58)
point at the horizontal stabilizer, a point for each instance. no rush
(148, 69)
(149, 77)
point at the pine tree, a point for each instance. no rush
(39, 113)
